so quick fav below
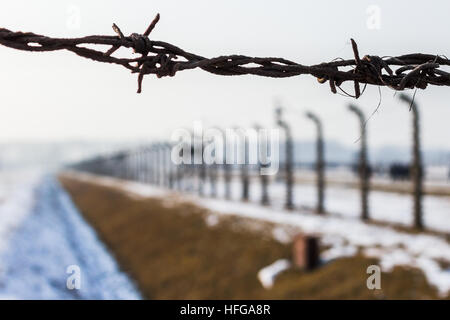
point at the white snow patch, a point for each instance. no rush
(16, 200)
(268, 274)
(212, 220)
(280, 234)
(134, 188)
(338, 252)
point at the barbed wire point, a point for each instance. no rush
(152, 25)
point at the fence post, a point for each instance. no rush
(289, 157)
(264, 177)
(192, 172)
(123, 165)
(118, 165)
(245, 171)
(213, 168)
(227, 168)
(198, 162)
(143, 164)
(320, 163)
(133, 165)
(167, 165)
(158, 164)
(417, 165)
(151, 164)
(202, 172)
(163, 164)
(151, 160)
(128, 166)
(139, 164)
(172, 168)
(244, 166)
(180, 175)
(146, 164)
(179, 168)
(363, 166)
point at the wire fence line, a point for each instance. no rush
(154, 164)
(414, 70)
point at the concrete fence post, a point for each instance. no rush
(320, 163)
(289, 158)
(263, 177)
(363, 168)
(417, 166)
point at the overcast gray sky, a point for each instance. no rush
(58, 95)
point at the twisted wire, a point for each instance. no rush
(163, 59)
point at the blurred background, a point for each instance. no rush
(59, 111)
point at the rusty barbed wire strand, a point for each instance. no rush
(415, 70)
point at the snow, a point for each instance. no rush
(16, 200)
(344, 234)
(212, 220)
(133, 188)
(337, 251)
(422, 249)
(280, 234)
(49, 235)
(268, 274)
(389, 207)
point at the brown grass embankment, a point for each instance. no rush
(172, 253)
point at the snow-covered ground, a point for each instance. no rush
(345, 235)
(41, 235)
(384, 206)
(16, 200)
(434, 175)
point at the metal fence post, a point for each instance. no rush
(244, 167)
(363, 165)
(227, 167)
(320, 164)
(264, 177)
(417, 165)
(289, 175)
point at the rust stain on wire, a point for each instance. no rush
(163, 59)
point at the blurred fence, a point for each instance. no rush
(153, 164)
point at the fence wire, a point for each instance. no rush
(415, 70)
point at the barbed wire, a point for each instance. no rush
(415, 70)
